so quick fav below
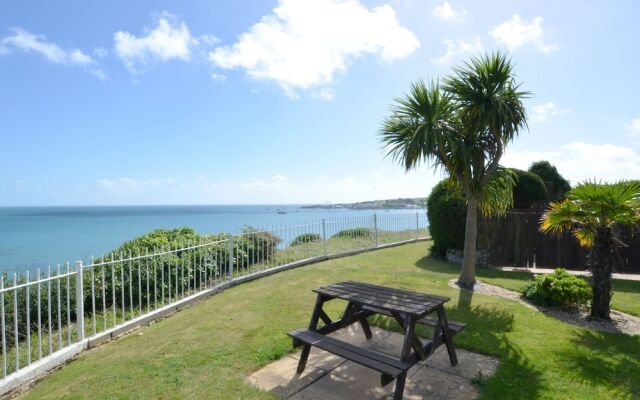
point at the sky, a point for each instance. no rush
(245, 102)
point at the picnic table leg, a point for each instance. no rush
(313, 325)
(409, 334)
(363, 323)
(350, 313)
(365, 327)
(442, 316)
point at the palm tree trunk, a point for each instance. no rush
(602, 257)
(468, 273)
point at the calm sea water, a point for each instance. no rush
(33, 237)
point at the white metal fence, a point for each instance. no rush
(46, 313)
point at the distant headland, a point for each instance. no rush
(416, 202)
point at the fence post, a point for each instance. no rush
(375, 228)
(79, 301)
(417, 225)
(324, 236)
(230, 257)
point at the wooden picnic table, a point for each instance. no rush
(408, 308)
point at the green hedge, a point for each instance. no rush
(251, 248)
(446, 211)
(353, 233)
(212, 260)
(305, 238)
(530, 190)
(557, 186)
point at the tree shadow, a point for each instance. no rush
(607, 359)
(486, 332)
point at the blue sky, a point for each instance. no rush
(198, 102)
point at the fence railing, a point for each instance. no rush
(58, 307)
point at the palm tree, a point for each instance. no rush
(594, 213)
(462, 127)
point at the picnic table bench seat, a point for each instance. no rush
(454, 327)
(380, 362)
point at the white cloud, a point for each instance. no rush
(100, 74)
(303, 44)
(208, 40)
(126, 184)
(579, 161)
(25, 41)
(276, 189)
(170, 40)
(325, 94)
(544, 112)
(459, 47)
(633, 128)
(78, 57)
(218, 77)
(517, 32)
(446, 12)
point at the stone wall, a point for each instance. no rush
(455, 256)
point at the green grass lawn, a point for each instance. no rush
(206, 351)
(626, 294)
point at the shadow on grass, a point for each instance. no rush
(626, 286)
(610, 360)
(487, 332)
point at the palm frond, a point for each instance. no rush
(420, 126)
(497, 195)
(585, 236)
(592, 206)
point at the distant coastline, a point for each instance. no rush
(409, 203)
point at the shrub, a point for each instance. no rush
(196, 264)
(529, 191)
(353, 233)
(446, 211)
(557, 186)
(211, 262)
(559, 289)
(305, 238)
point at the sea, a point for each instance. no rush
(37, 237)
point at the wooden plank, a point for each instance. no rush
(400, 291)
(386, 295)
(370, 294)
(454, 327)
(369, 358)
(361, 299)
(515, 238)
(388, 298)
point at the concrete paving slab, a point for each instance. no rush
(433, 384)
(469, 363)
(328, 377)
(347, 381)
(321, 359)
(280, 378)
(354, 335)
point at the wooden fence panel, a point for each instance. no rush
(514, 240)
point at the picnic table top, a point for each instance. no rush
(384, 298)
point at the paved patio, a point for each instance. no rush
(329, 377)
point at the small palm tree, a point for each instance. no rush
(463, 128)
(594, 213)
